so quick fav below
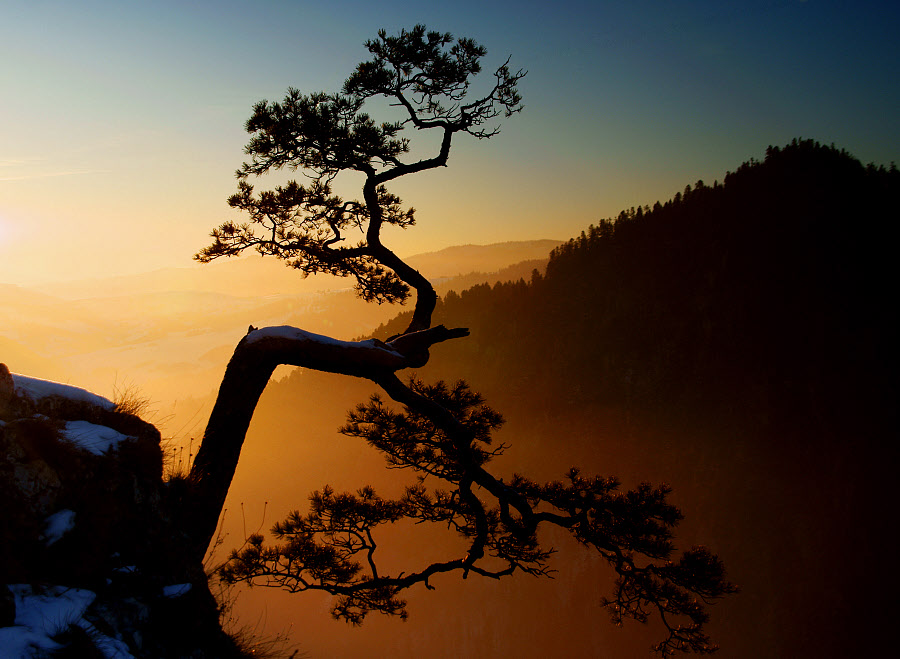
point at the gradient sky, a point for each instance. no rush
(122, 122)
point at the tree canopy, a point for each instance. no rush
(425, 74)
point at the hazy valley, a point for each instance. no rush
(170, 332)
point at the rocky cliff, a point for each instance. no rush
(91, 554)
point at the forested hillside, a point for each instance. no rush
(733, 342)
(766, 296)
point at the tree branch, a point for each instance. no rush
(246, 376)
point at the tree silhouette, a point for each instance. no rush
(442, 432)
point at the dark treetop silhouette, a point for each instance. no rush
(443, 432)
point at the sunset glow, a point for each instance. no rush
(662, 268)
(123, 123)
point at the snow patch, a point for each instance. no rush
(91, 437)
(40, 616)
(296, 334)
(57, 525)
(292, 333)
(52, 609)
(176, 590)
(37, 389)
(22, 643)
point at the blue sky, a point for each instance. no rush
(122, 122)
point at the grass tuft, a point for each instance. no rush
(129, 399)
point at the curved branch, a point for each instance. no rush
(246, 376)
(426, 297)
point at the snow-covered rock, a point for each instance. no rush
(49, 612)
(57, 525)
(176, 590)
(92, 437)
(92, 528)
(37, 390)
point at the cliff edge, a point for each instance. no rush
(91, 558)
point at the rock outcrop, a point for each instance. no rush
(92, 558)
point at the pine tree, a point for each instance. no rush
(441, 432)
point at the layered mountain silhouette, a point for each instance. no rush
(172, 331)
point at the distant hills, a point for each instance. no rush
(763, 294)
(466, 259)
(171, 332)
(255, 276)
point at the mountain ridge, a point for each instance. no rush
(150, 331)
(256, 276)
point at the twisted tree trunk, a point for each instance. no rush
(246, 376)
